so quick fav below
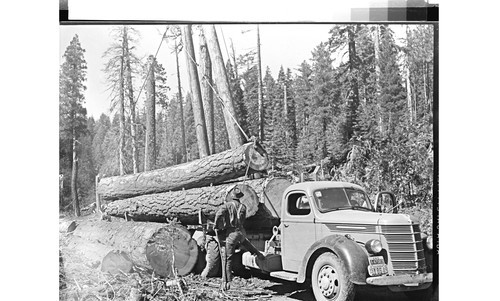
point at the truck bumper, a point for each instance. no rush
(400, 279)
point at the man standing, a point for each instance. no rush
(229, 221)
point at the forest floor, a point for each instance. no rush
(82, 280)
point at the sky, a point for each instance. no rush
(281, 45)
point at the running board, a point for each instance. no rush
(284, 275)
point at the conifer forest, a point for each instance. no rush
(361, 107)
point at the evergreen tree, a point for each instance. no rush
(72, 114)
(239, 100)
(269, 86)
(324, 102)
(303, 86)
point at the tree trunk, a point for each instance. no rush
(353, 66)
(259, 89)
(147, 244)
(183, 205)
(207, 93)
(121, 148)
(198, 112)
(222, 83)
(128, 78)
(376, 45)
(206, 171)
(97, 196)
(181, 110)
(74, 176)
(150, 151)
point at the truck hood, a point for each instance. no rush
(358, 217)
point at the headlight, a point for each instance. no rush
(374, 246)
(428, 242)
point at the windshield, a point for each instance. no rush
(330, 199)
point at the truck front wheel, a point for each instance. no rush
(330, 280)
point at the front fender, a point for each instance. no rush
(352, 255)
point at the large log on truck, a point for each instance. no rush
(150, 245)
(183, 205)
(211, 170)
(261, 196)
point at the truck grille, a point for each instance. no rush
(405, 248)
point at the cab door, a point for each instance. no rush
(297, 229)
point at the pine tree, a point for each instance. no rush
(240, 100)
(72, 114)
(120, 68)
(303, 88)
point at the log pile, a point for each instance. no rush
(150, 199)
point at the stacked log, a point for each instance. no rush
(185, 205)
(150, 245)
(211, 170)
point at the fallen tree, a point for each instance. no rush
(150, 245)
(211, 170)
(183, 205)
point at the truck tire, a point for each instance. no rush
(330, 280)
(213, 266)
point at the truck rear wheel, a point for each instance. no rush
(330, 280)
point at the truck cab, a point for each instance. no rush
(331, 234)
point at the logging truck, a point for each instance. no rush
(332, 236)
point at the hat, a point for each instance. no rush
(237, 194)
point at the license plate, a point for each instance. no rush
(376, 260)
(377, 270)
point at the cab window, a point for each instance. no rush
(298, 204)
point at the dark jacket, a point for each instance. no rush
(230, 215)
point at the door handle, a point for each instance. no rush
(286, 226)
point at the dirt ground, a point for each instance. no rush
(80, 279)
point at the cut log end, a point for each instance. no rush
(116, 262)
(159, 251)
(256, 158)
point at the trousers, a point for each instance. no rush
(233, 238)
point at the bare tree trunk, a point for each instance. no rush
(74, 175)
(97, 197)
(207, 93)
(121, 148)
(222, 82)
(150, 151)
(424, 75)
(409, 97)
(376, 45)
(199, 114)
(128, 78)
(259, 89)
(409, 93)
(181, 110)
(354, 102)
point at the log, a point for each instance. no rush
(183, 205)
(67, 226)
(146, 244)
(210, 170)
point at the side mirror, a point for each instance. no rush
(385, 202)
